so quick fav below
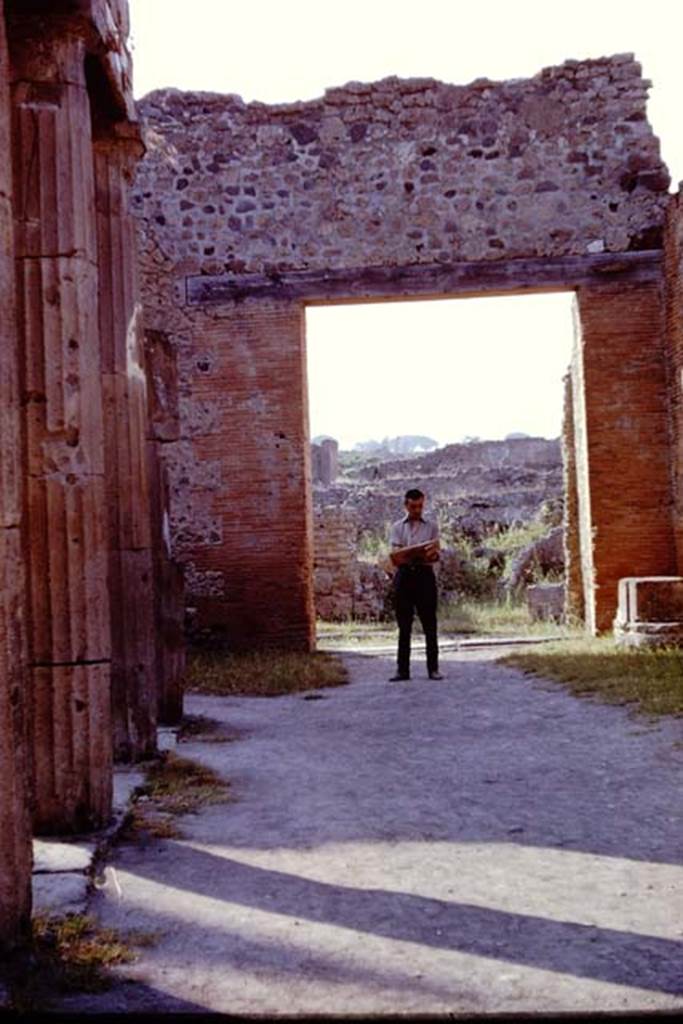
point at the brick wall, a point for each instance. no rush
(673, 252)
(240, 482)
(623, 459)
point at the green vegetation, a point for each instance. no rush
(177, 785)
(504, 617)
(458, 617)
(261, 673)
(651, 680)
(174, 785)
(67, 954)
(373, 545)
(208, 730)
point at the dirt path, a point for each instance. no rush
(483, 844)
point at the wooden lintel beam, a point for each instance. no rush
(564, 273)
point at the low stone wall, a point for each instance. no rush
(345, 587)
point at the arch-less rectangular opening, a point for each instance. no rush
(456, 373)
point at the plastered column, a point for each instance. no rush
(169, 591)
(66, 510)
(621, 425)
(134, 696)
(15, 824)
(574, 590)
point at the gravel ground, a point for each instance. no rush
(484, 844)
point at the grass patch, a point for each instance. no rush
(174, 785)
(499, 618)
(464, 617)
(68, 954)
(206, 730)
(177, 785)
(261, 673)
(651, 680)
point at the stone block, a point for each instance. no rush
(650, 599)
(53, 855)
(546, 601)
(650, 611)
(60, 894)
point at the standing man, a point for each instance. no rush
(414, 548)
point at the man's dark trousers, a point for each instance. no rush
(416, 591)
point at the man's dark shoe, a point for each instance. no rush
(435, 675)
(399, 678)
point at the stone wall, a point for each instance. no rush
(392, 189)
(406, 171)
(344, 586)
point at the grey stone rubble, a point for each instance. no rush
(484, 844)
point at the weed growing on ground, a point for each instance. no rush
(177, 785)
(504, 617)
(205, 729)
(174, 785)
(651, 680)
(459, 617)
(261, 673)
(67, 954)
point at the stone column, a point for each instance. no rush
(134, 697)
(69, 637)
(15, 823)
(621, 425)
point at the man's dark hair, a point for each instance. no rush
(413, 494)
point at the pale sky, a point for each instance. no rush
(449, 368)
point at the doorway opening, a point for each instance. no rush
(464, 399)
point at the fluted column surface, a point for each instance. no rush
(69, 631)
(15, 824)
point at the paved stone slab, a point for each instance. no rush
(126, 782)
(60, 893)
(54, 855)
(483, 844)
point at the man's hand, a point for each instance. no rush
(421, 553)
(431, 551)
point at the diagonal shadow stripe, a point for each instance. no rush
(605, 954)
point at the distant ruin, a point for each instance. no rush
(325, 462)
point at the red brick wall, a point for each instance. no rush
(242, 521)
(626, 488)
(673, 266)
